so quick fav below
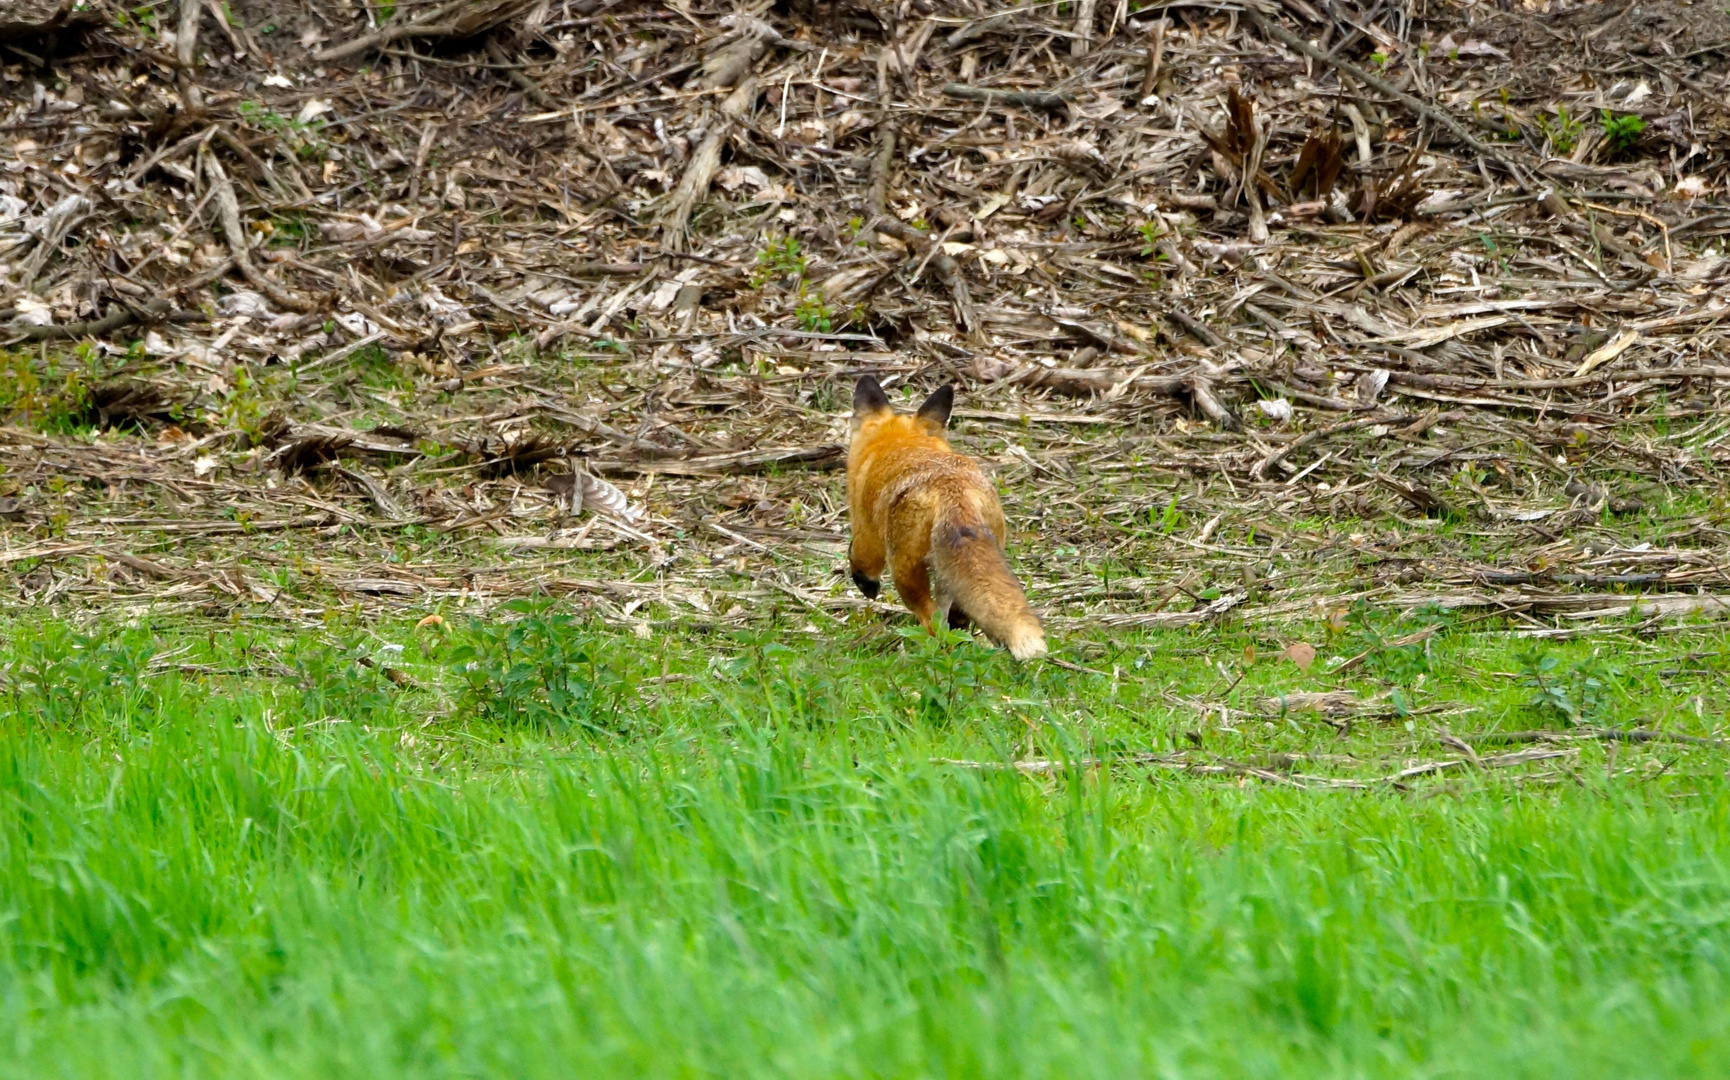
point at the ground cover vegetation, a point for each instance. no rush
(246, 854)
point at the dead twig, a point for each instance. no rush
(1631, 735)
(228, 209)
(116, 318)
(887, 224)
(1311, 438)
(1041, 100)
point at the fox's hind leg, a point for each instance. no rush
(944, 606)
(913, 582)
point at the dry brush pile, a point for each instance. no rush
(1252, 306)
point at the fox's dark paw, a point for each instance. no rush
(867, 586)
(958, 619)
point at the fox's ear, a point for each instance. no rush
(934, 414)
(868, 398)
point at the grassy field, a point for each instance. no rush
(543, 848)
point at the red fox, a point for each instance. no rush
(930, 515)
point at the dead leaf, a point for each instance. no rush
(1300, 654)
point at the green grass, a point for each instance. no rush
(246, 854)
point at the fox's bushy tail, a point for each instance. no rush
(969, 571)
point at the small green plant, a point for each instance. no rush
(784, 682)
(545, 670)
(1468, 477)
(303, 139)
(1379, 58)
(342, 682)
(244, 409)
(779, 259)
(953, 672)
(142, 19)
(1570, 694)
(1150, 233)
(289, 230)
(59, 676)
(55, 398)
(1564, 132)
(1168, 520)
(813, 313)
(1395, 647)
(1622, 133)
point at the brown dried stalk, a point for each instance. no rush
(228, 209)
(693, 185)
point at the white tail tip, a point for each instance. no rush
(1028, 646)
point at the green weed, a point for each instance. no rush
(950, 672)
(1567, 693)
(289, 230)
(61, 677)
(813, 313)
(1564, 133)
(779, 260)
(50, 395)
(1622, 133)
(142, 19)
(541, 670)
(342, 682)
(1168, 520)
(1150, 234)
(244, 407)
(1396, 647)
(304, 139)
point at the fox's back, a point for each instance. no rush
(898, 462)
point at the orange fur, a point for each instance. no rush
(930, 517)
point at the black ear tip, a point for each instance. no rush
(868, 394)
(941, 396)
(935, 411)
